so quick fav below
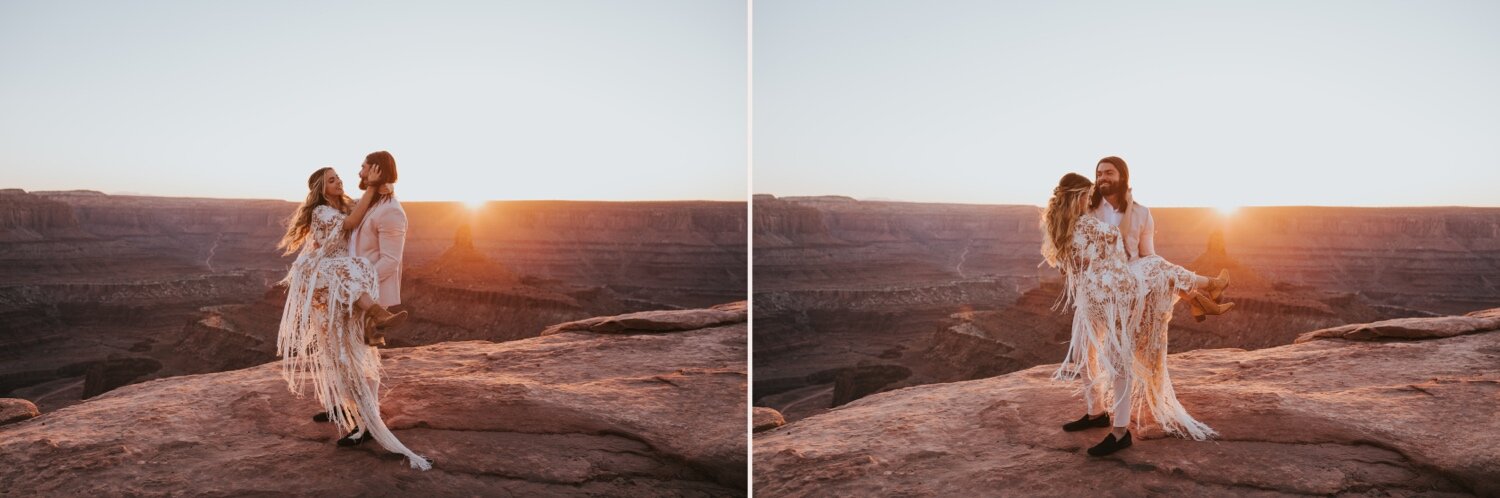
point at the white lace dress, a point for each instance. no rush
(1120, 315)
(321, 337)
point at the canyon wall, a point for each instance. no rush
(186, 285)
(947, 292)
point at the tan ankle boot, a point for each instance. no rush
(383, 318)
(1208, 305)
(1216, 286)
(1194, 308)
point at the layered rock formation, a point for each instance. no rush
(1410, 417)
(186, 284)
(462, 294)
(1410, 328)
(681, 253)
(26, 217)
(576, 413)
(647, 321)
(687, 253)
(885, 295)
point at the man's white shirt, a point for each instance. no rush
(1107, 213)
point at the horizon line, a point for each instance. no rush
(1243, 206)
(91, 192)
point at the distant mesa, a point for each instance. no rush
(73, 193)
(26, 217)
(462, 264)
(819, 198)
(1216, 258)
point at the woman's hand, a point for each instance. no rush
(374, 178)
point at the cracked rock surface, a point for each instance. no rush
(569, 414)
(1323, 417)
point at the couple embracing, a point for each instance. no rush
(346, 276)
(1122, 295)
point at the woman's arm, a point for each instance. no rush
(358, 216)
(352, 221)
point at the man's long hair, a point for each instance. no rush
(299, 225)
(1059, 218)
(1124, 185)
(387, 164)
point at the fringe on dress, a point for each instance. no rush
(321, 337)
(1120, 316)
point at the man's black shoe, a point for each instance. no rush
(1110, 445)
(349, 440)
(1087, 423)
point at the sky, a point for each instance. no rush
(1215, 104)
(557, 99)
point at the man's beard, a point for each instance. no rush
(363, 185)
(1107, 189)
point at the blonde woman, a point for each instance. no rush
(330, 311)
(1116, 303)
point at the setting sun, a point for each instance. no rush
(474, 205)
(1226, 210)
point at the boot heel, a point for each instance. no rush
(1210, 307)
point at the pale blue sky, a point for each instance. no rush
(1211, 103)
(557, 99)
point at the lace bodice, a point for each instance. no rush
(326, 241)
(327, 231)
(1100, 270)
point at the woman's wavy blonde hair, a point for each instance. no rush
(299, 225)
(1060, 216)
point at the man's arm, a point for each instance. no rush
(1148, 236)
(390, 230)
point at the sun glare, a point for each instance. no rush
(474, 204)
(1226, 211)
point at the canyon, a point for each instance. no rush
(857, 297)
(100, 291)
